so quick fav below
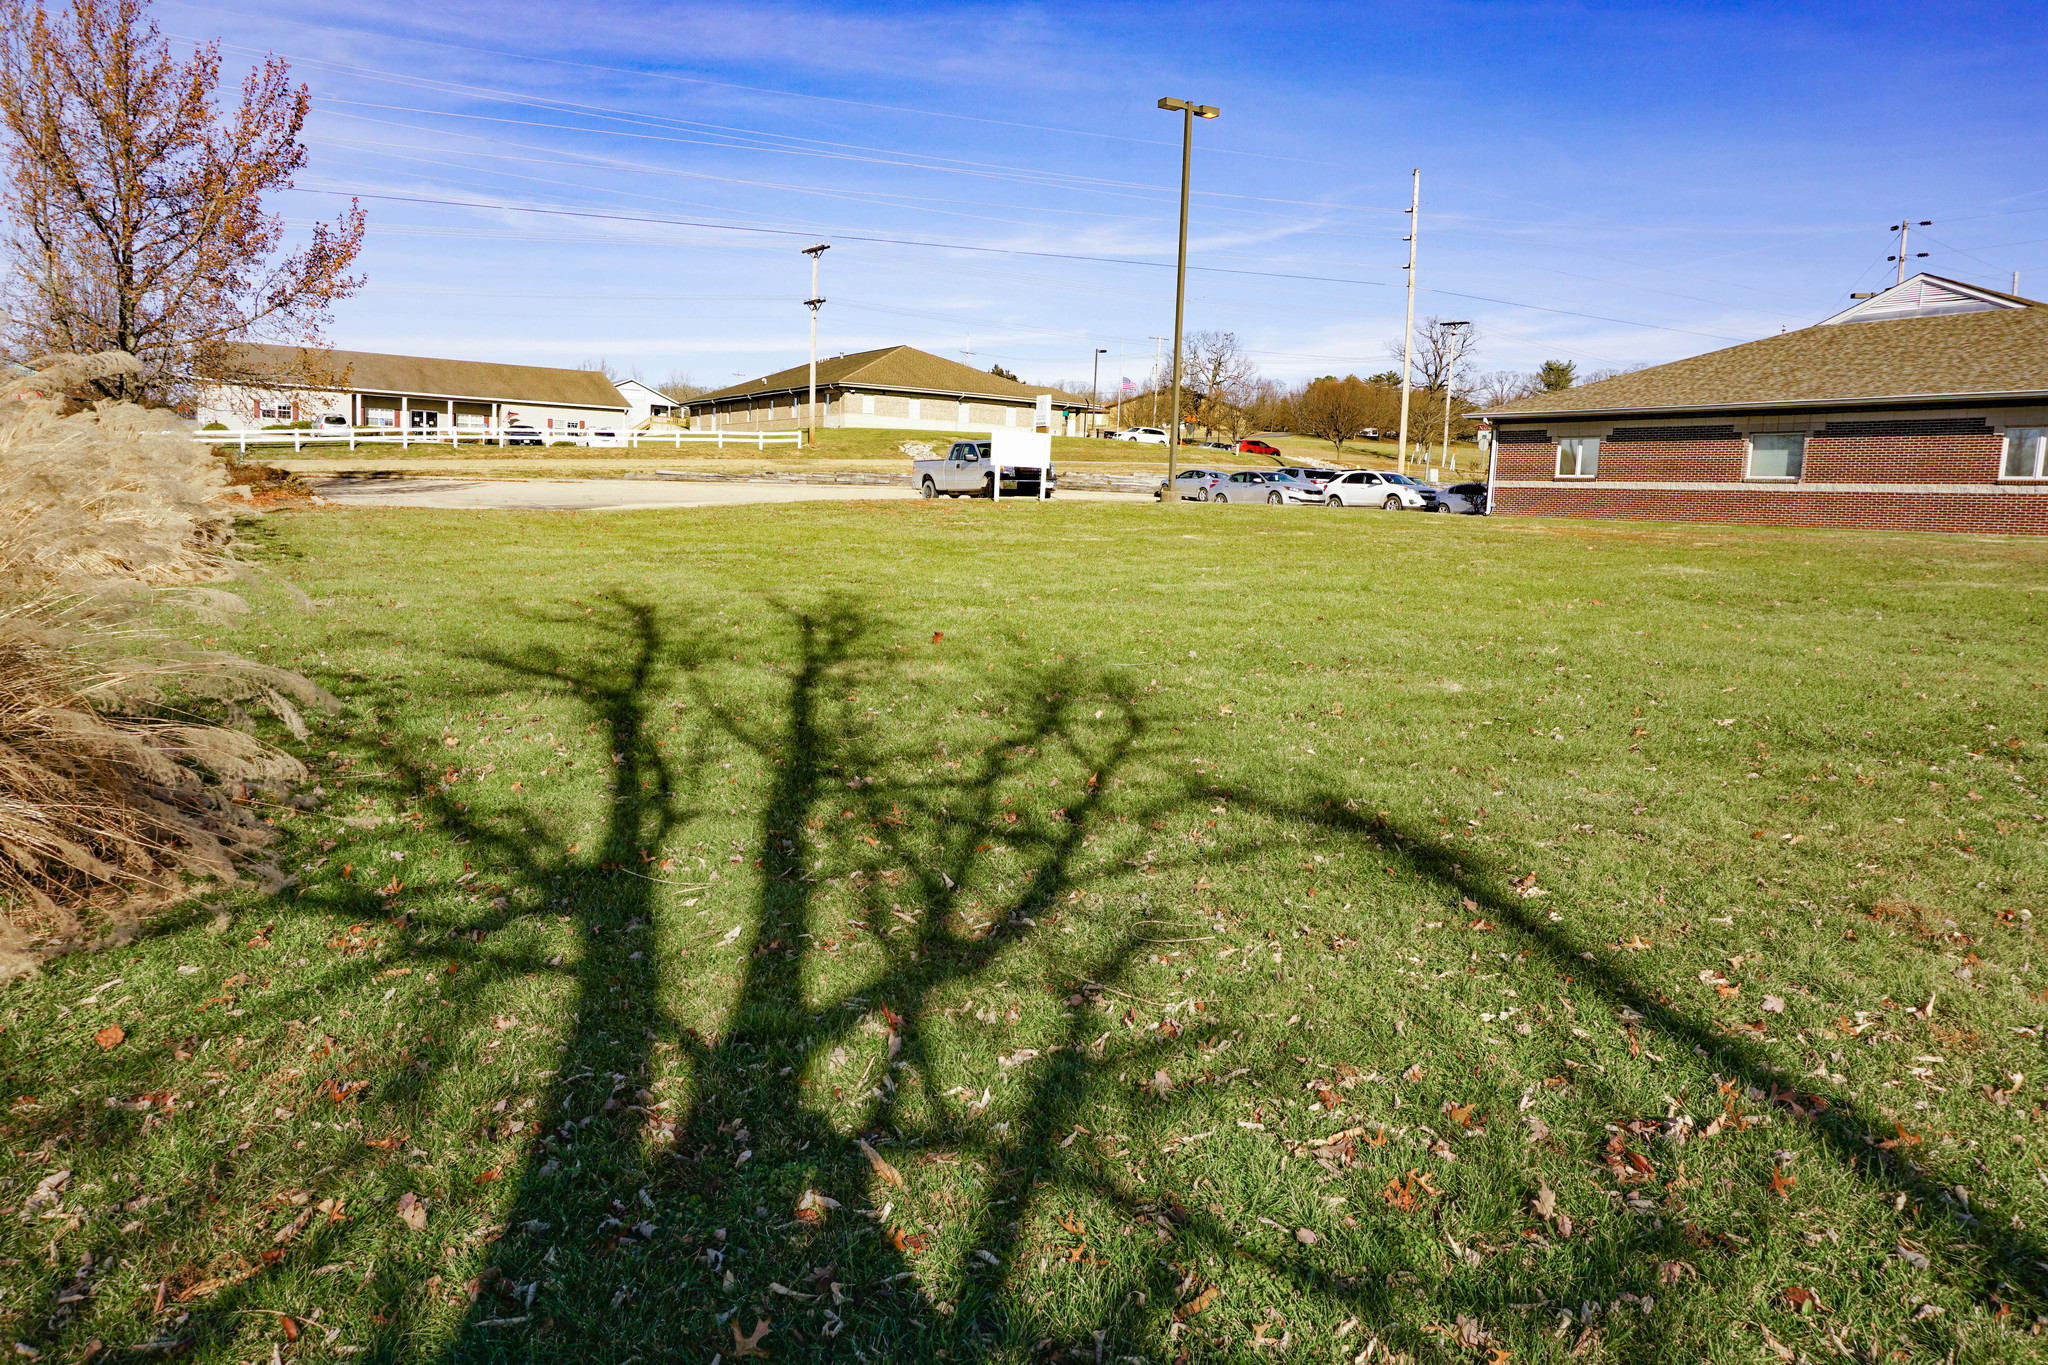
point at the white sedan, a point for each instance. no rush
(1151, 436)
(1378, 488)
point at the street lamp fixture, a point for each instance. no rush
(814, 303)
(1189, 113)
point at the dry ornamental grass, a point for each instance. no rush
(115, 771)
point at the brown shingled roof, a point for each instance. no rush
(903, 368)
(371, 372)
(2002, 353)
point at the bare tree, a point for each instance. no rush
(681, 387)
(1216, 367)
(135, 216)
(1335, 409)
(1496, 388)
(1441, 348)
(1269, 404)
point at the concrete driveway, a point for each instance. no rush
(608, 495)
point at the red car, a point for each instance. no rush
(1252, 446)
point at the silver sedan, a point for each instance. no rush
(1276, 487)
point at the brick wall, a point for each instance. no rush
(1989, 513)
(1895, 450)
(1879, 452)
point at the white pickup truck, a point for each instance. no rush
(970, 468)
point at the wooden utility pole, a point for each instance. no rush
(1408, 335)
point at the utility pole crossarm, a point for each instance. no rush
(814, 303)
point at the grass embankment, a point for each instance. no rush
(1628, 957)
(872, 451)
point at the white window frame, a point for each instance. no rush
(2039, 436)
(1749, 457)
(1578, 457)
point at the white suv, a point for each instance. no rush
(1151, 436)
(1378, 488)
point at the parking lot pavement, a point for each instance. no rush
(607, 495)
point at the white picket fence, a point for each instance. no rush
(407, 437)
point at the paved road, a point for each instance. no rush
(608, 495)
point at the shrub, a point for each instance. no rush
(113, 757)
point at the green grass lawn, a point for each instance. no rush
(1384, 936)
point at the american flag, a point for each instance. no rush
(1129, 387)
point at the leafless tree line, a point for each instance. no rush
(1223, 393)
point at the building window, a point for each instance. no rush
(1776, 457)
(277, 412)
(1578, 457)
(2026, 453)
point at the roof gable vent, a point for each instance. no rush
(1926, 296)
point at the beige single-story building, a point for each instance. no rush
(287, 384)
(898, 388)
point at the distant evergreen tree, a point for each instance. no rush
(1001, 373)
(1557, 374)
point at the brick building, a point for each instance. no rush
(1924, 407)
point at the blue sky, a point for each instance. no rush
(1611, 184)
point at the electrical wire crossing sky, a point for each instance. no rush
(634, 184)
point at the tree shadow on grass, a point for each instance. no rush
(699, 1232)
(2006, 1270)
(584, 1264)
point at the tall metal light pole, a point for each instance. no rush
(1095, 382)
(1408, 337)
(1188, 112)
(814, 303)
(1448, 372)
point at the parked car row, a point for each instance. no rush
(1325, 488)
(1156, 436)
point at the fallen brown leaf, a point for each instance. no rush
(884, 1172)
(110, 1037)
(750, 1345)
(412, 1211)
(1802, 1300)
(1196, 1304)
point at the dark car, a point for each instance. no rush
(1251, 445)
(1466, 498)
(519, 434)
